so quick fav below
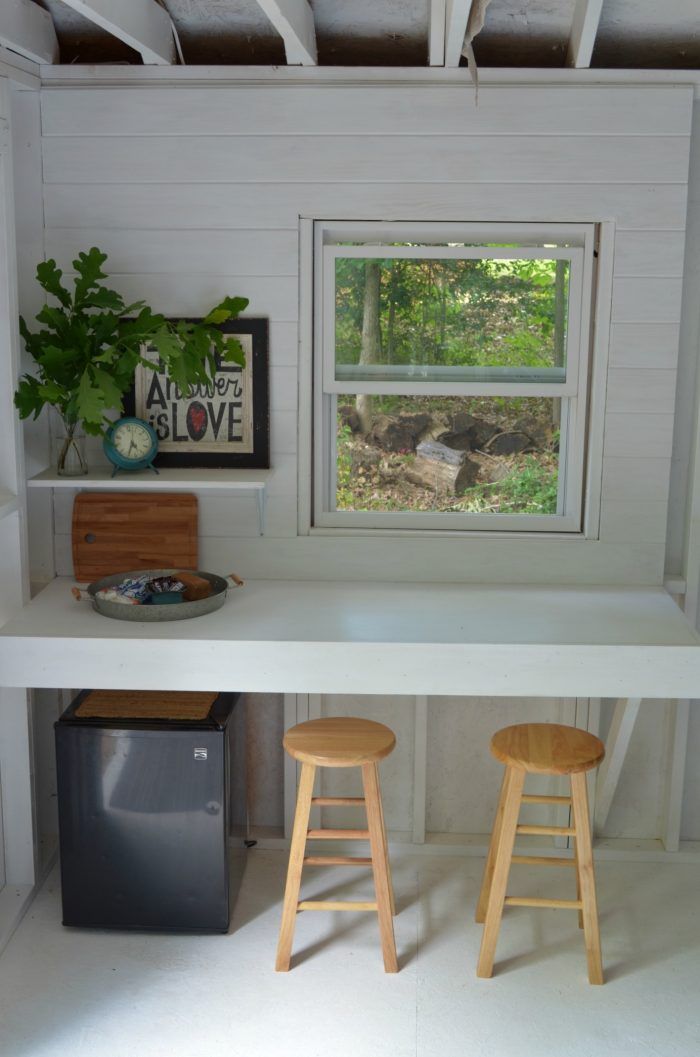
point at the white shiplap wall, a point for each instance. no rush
(196, 192)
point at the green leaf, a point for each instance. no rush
(54, 318)
(58, 363)
(104, 298)
(28, 399)
(49, 277)
(111, 393)
(51, 393)
(227, 309)
(89, 268)
(233, 352)
(90, 403)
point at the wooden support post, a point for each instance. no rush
(618, 740)
(420, 768)
(675, 774)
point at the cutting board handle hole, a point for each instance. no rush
(90, 537)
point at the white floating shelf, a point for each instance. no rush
(195, 480)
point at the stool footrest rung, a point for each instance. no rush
(541, 831)
(534, 901)
(533, 798)
(320, 904)
(335, 860)
(337, 834)
(543, 860)
(338, 801)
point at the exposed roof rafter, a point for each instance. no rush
(142, 24)
(27, 29)
(584, 27)
(455, 29)
(294, 21)
(436, 41)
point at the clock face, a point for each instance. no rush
(132, 440)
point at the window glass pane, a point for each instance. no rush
(490, 455)
(435, 319)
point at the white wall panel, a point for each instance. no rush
(232, 253)
(636, 479)
(255, 159)
(633, 522)
(650, 253)
(640, 300)
(309, 110)
(463, 778)
(638, 390)
(236, 205)
(650, 345)
(395, 772)
(639, 434)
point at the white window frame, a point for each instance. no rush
(572, 387)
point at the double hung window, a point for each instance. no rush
(450, 375)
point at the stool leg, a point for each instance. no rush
(382, 883)
(491, 857)
(578, 879)
(296, 860)
(586, 875)
(504, 851)
(392, 901)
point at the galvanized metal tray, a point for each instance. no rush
(156, 614)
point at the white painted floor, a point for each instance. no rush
(97, 994)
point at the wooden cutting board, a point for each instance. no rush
(114, 532)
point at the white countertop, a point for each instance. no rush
(326, 637)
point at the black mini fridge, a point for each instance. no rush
(143, 816)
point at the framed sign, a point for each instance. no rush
(225, 424)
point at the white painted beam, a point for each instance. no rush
(28, 30)
(457, 16)
(436, 38)
(675, 774)
(420, 768)
(617, 744)
(142, 24)
(294, 21)
(584, 27)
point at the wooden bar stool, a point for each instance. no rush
(339, 742)
(541, 748)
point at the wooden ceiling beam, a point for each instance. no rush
(436, 39)
(584, 27)
(142, 24)
(294, 21)
(28, 30)
(457, 16)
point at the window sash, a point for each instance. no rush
(457, 381)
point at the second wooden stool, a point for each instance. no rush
(541, 748)
(339, 742)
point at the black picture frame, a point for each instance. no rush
(166, 410)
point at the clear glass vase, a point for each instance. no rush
(69, 446)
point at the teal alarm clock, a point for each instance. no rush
(131, 444)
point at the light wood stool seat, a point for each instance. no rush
(541, 748)
(339, 741)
